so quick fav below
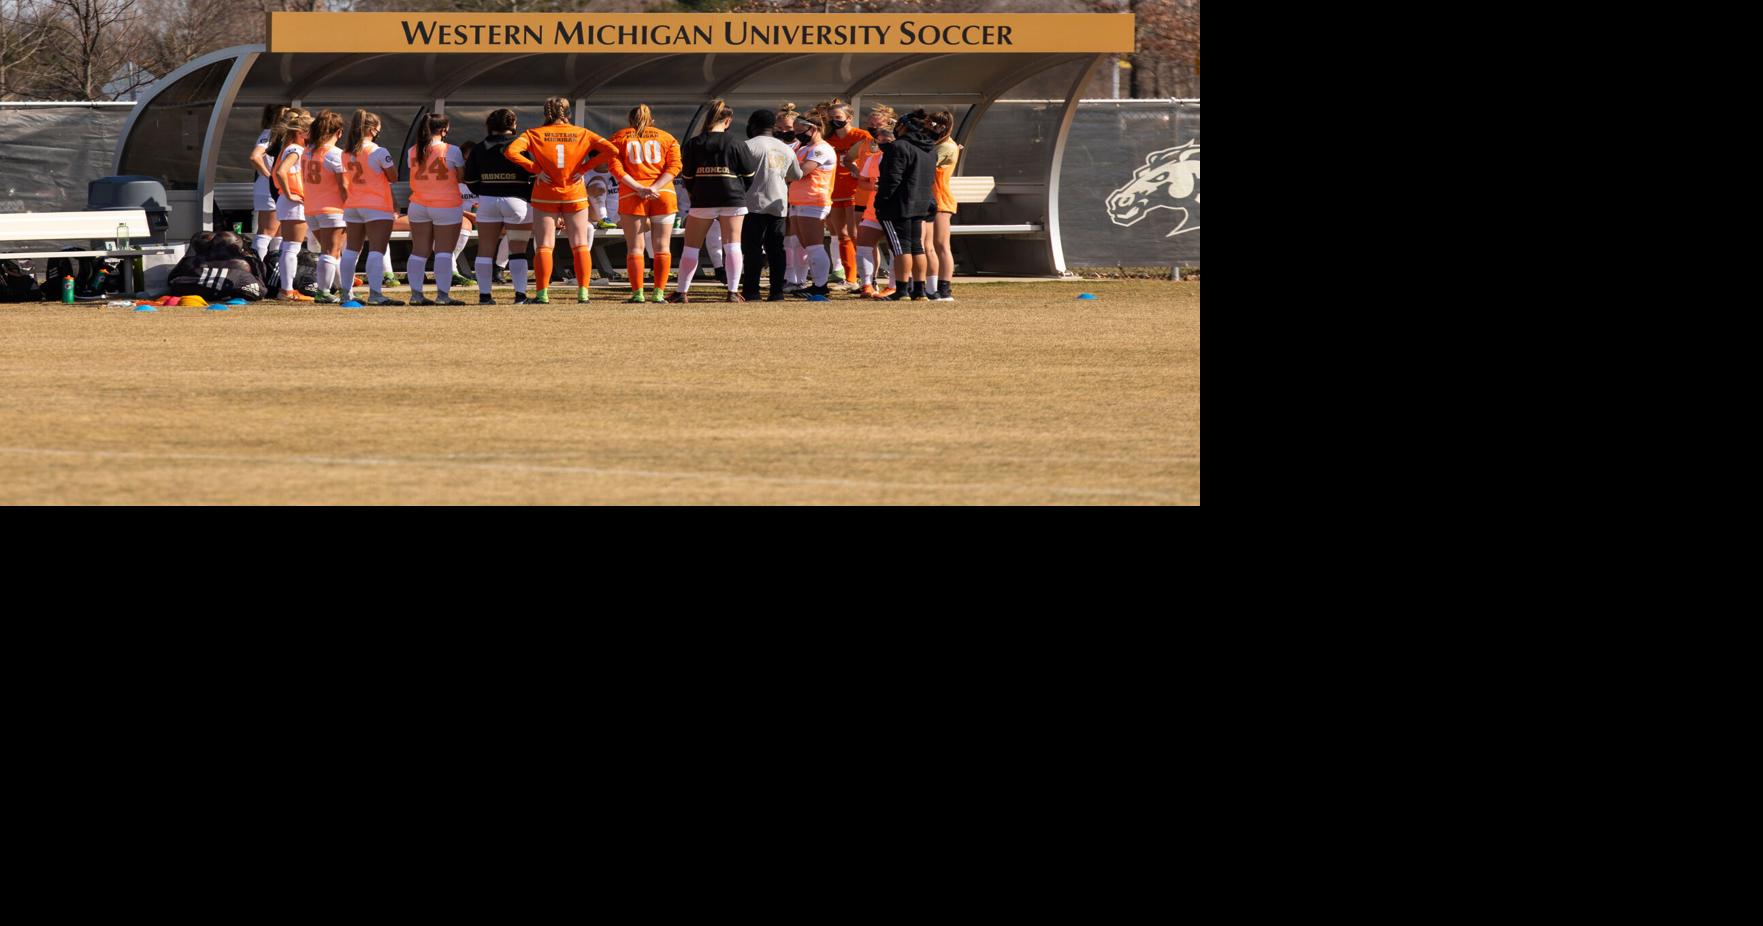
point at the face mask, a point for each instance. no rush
(806, 138)
(840, 126)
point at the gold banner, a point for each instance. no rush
(759, 33)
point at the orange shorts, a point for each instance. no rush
(665, 204)
(559, 208)
(844, 188)
(862, 197)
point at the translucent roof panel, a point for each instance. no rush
(168, 134)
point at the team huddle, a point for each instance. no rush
(768, 203)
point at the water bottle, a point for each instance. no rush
(122, 236)
(238, 228)
(67, 290)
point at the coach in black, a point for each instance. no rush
(905, 197)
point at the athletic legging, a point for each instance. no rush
(905, 236)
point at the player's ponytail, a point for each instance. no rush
(716, 112)
(500, 122)
(363, 125)
(272, 114)
(641, 118)
(430, 127)
(556, 110)
(327, 125)
(941, 123)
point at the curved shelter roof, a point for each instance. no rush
(195, 128)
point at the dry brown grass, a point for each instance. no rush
(1015, 394)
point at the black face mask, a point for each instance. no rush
(806, 138)
(839, 126)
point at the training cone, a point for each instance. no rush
(1086, 295)
(219, 307)
(167, 300)
(352, 304)
(146, 307)
(236, 301)
(194, 301)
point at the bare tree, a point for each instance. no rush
(24, 29)
(93, 43)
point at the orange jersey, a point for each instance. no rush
(842, 145)
(434, 181)
(647, 155)
(948, 153)
(368, 186)
(560, 156)
(287, 172)
(324, 187)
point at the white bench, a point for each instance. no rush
(82, 226)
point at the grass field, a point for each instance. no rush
(1015, 394)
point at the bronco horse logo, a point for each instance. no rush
(1170, 179)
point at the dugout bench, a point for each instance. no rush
(87, 227)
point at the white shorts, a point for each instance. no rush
(509, 210)
(711, 212)
(597, 179)
(364, 216)
(261, 198)
(869, 223)
(286, 210)
(436, 215)
(327, 220)
(811, 212)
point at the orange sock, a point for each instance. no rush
(542, 269)
(848, 250)
(633, 265)
(584, 264)
(663, 263)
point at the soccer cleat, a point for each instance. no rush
(521, 299)
(918, 297)
(485, 299)
(391, 280)
(867, 292)
(542, 297)
(636, 296)
(837, 276)
(791, 287)
(812, 291)
(448, 300)
(504, 276)
(382, 300)
(460, 279)
(884, 293)
(678, 298)
(288, 295)
(582, 294)
(326, 299)
(735, 297)
(605, 223)
(898, 295)
(423, 301)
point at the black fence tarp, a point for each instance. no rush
(49, 153)
(1129, 193)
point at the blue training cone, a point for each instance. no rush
(1086, 295)
(235, 301)
(352, 304)
(144, 307)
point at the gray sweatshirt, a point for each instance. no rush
(769, 191)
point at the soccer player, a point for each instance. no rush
(503, 206)
(289, 139)
(811, 199)
(436, 209)
(559, 154)
(325, 197)
(268, 236)
(947, 154)
(869, 231)
(368, 209)
(646, 201)
(717, 167)
(845, 140)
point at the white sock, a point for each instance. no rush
(459, 247)
(838, 255)
(484, 267)
(290, 263)
(312, 239)
(930, 283)
(444, 272)
(820, 264)
(731, 258)
(376, 272)
(260, 244)
(327, 272)
(688, 268)
(351, 260)
(792, 263)
(517, 267)
(866, 266)
(502, 253)
(417, 267)
(713, 241)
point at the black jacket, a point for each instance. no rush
(906, 186)
(488, 173)
(716, 168)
